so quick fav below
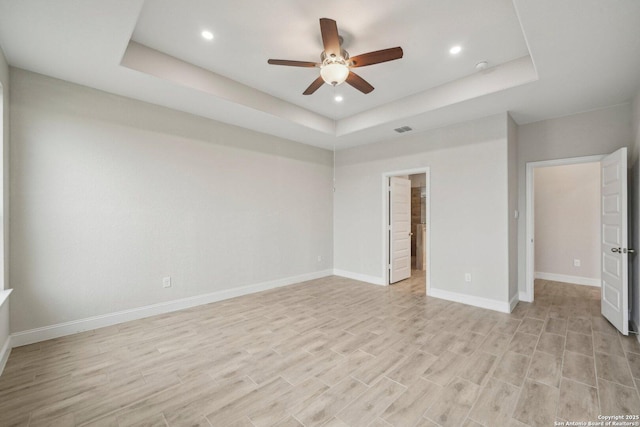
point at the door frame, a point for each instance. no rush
(530, 248)
(385, 220)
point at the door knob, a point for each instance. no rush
(617, 250)
(631, 251)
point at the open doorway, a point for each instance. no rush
(612, 228)
(418, 221)
(405, 226)
(556, 255)
(567, 223)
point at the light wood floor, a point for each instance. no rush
(334, 352)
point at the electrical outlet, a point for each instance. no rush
(576, 263)
(467, 277)
(166, 282)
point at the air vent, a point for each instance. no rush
(403, 129)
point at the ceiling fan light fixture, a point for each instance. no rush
(334, 72)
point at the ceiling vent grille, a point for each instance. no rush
(403, 129)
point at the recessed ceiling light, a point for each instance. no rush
(207, 35)
(338, 98)
(455, 50)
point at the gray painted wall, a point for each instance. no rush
(586, 134)
(109, 195)
(567, 220)
(468, 228)
(95, 177)
(4, 257)
(512, 148)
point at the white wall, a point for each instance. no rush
(468, 200)
(110, 194)
(4, 253)
(567, 222)
(512, 152)
(585, 134)
(4, 164)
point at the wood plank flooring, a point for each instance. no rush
(334, 352)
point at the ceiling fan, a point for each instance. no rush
(335, 66)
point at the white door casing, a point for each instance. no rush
(614, 240)
(399, 229)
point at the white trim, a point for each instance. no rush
(67, 328)
(385, 221)
(491, 304)
(529, 209)
(576, 280)
(5, 352)
(360, 277)
(4, 296)
(523, 296)
(514, 301)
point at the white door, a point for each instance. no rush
(615, 290)
(399, 229)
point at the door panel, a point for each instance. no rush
(615, 290)
(400, 229)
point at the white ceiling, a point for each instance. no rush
(549, 58)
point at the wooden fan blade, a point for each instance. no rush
(330, 38)
(292, 63)
(359, 83)
(376, 57)
(314, 86)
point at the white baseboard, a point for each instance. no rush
(524, 297)
(491, 304)
(68, 328)
(4, 353)
(576, 280)
(357, 276)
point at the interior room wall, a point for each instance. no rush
(4, 164)
(634, 202)
(567, 223)
(585, 134)
(110, 195)
(512, 166)
(4, 218)
(468, 207)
